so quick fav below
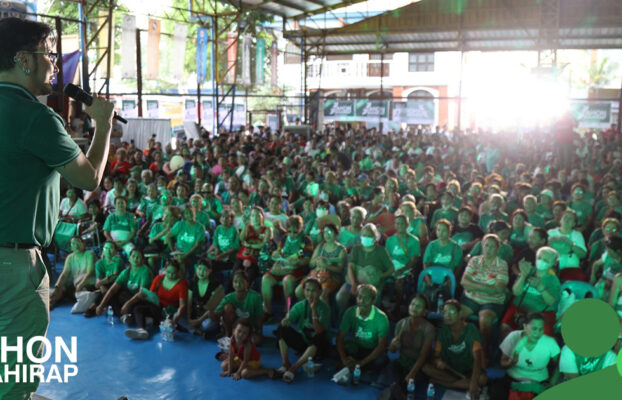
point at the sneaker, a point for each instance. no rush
(140, 334)
(127, 319)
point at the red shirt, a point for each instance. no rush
(124, 167)
(238, 351)
(170, 296)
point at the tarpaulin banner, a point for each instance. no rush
(153, 109)
(128, 47)
(246, 60)
(190, 110)
(372, 110)
(592, 115)
(102, 43)
(339, 109)
(207, 114)
(70, 65)
(232, 55)
(153, 49)
(274, 64)
(260, 56)
(414, 112)
(202, 40)
(179, 51)
(129, 109)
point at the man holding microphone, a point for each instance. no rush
(35, 150)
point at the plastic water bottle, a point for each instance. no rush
(166, 330)
(410, 389)
(431, 392)
(356, 376)
(310, 367)
(110, 314)
(439, 303)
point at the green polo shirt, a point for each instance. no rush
(366, 331)
(103, 268)
(300, 314)
(33, 142)
(135, 278)
(250, 308)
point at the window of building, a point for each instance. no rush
(421, 62)
(378, 57)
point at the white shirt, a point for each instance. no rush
(532, 364)
(568, 361)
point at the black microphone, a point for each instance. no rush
(80, 95)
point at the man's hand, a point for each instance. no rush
(101, 111)
(474, 390)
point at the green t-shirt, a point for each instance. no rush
(533, 301)
(250, 308)
(402, 251)
(375, 262)
(347, 238)
(203, 218)
(186, 235)
(125, 222)
(536, 220)
(583, 210)
(450, 214)
(506, 253)
(459, 354)
(135, 278)
(226, 238)
(148, 206)
(366, 331)
(449, 256)
(104, 268)
(32, 144)
(518, 238)
(486, 218)
(300, 314)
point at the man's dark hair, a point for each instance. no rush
(17, 35)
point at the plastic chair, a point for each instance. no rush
(580, 289)
(438, 274)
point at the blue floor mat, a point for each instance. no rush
(112, 365)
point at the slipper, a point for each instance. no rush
(281, 370)
(288, 376)
(221, 356)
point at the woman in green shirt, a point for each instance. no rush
(128, 283)
(120, 227)
(226, 242)
(350, 235)
(188, 235)
(78, 274)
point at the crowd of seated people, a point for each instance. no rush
(453, 250)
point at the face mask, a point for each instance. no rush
(321, 212)
(542, 265)
(367, 241)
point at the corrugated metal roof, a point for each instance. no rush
(437, 25)
(292, 8)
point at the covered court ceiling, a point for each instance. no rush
(294, 9)
(475, 25)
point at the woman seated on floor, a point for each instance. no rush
(458, 359)
(526, 355)
(369, 327)
(127, 284)
(107, 270)
(167, 298)
(414, 336)
(311, 337)
(78, 274)
(241, 303)
(204, 296)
